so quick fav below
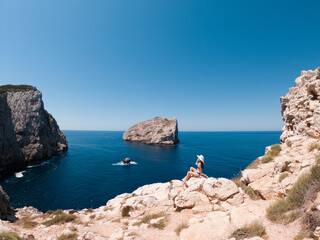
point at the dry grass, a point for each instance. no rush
(254, 164)
(30, 224)
(89, 210)
(273, 152)
(252, 194)
(283, 176)
(250, 230)
(161, 224)
(132, 234)
(305, 234)
(289, 144)
(314, 146)
(9, 236)
(16, 88)
(59, 219)
(72, 236)
(180, 227)
(125, 211)
(280, 211)
(266, 159)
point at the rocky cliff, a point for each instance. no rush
(28, 133)
(277, 197)
(300, 108)
(157, 130)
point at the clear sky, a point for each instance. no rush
(105, 65)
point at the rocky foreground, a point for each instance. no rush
(28, 133)
(276, 197)
(158, 130)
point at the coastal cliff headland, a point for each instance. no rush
(276, 197)
(28, 133)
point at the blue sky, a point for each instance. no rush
(105, 65)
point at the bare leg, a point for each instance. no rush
(189, 174)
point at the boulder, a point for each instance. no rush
(157, 130)
(220, 188)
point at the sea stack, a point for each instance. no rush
(28, 133)
(158, 130)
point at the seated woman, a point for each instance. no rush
(195, 172)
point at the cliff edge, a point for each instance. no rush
(28, 133)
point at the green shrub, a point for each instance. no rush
(314, 146)
(60, 219)
(9, 236)
(71, 236)
(283, 176)
(125, 211)
(249, 230)
(180, 227)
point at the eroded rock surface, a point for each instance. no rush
(27, 131)
(300, 107)
(157, 130)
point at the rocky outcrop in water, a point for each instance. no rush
(157, 130)
(300, 107)
(28, 133)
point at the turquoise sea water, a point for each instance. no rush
(89, 174)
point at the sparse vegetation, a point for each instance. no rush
(147, 218)
(89, 210)
(108, 209)
(289, 144)
(30, 224)
(16, 88)
(314, 146)
(249, 230)
(59, 219)
(283, 176)
(92, 216)
(266, 159)
(254, 164)
(72, 211)
(273, 152)
(252, 194)
(305, 234)
(132, 234)
(180, 227)
(72, 236)
(9, 236)
(56, 212)
(281, 211)
(125, 211)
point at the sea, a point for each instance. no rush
(91, 171)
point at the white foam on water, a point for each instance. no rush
(19, 174)
(124, 164)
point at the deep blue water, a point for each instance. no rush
(85, 177)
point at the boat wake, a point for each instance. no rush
(19, 174)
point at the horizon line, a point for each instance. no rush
(178, 131)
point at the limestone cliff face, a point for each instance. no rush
(27, 131)
(300, 107)
(157, 130)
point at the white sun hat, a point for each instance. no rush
(201, 158)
